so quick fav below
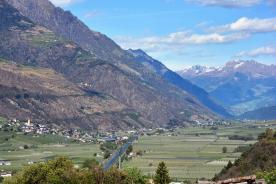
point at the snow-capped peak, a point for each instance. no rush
(250, 68)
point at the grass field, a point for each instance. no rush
(41, 148)
(193, 153)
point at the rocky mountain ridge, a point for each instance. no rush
(150, 96)
(239, 86)
(66, 25)
(172, 77)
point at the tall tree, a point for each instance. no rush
(162, 174)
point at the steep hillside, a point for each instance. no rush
(66, 25)
(45, 96)
(266, 113)
(178, 81)
(149, 95)
(260, 157)
(240, 86)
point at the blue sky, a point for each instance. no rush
(183, 33)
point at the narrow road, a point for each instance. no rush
(115, 156)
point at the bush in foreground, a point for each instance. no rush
(62, 171)
(270, 177)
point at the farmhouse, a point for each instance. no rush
(110, 139)
(5, 174)
(5, 162)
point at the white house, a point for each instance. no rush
(5, 175)
(5, 162)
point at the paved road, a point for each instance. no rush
(115, 156)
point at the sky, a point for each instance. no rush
(183, 33)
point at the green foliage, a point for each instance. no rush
(129, 150)
(58, 171)
(135, 176)
(270, 177)
(224, 149)
(162, 174)
(108, 146)
(107, 154)
(229, 165)
(62, 171)
(241, 137)
(2, 120)
(242, 149)
(261, 136)
(1, 179)
(90, 164)
(139, 153)
(115, 176)
(268, 135)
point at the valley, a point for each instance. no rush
(194, 152)
(190, 153)
(189, 101)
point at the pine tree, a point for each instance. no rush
(162, 174)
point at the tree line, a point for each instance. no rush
(62, 171)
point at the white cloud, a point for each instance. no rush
(262, 51)
(226, 3)
(177, 40)
(63, 2)
(254, 25)
(244, 24)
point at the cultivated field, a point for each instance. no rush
(41, 148)
(189, 153)
(193, 152)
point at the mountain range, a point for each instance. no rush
(37, 35)
(173, 78)
(239, 86)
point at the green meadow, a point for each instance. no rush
(191, 153)
(41, 148)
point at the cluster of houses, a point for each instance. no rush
(40, 129)
(212, 123)
(29, 127)
(4, 173)
(5, 163)
(82, 136)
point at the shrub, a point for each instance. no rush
(107, 154)
(270, 177)
(26, 147)
(90, 164)
(134, 175)
(224, 149)
(62, 171)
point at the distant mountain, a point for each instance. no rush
(174, 78)
(266, 113)
(240, 86)
(126, 81)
